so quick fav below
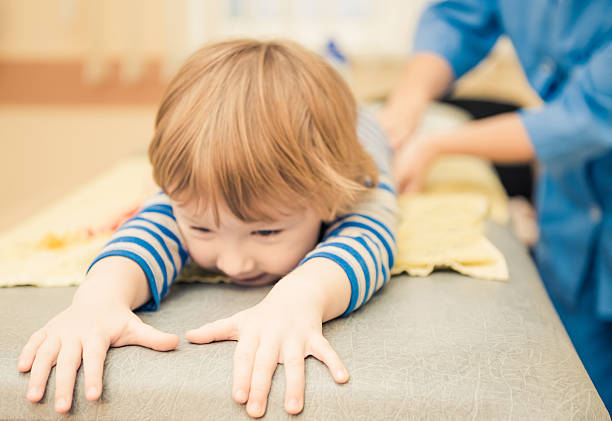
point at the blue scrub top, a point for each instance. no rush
(565, 48)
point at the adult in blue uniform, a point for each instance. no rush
(565, 48)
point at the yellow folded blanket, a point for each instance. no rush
(444, 226)
(468, 174)
(55, 246)
(446, 230)
(441, 228)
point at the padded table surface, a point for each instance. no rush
(441, 347)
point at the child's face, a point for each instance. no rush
(249, 253)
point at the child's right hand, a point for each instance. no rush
(84, 332)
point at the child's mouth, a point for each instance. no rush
(260, 279)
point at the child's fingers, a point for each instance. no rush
(244, 356)
(266, 360)
(94, 354)
(142, 334)
(293, 361)
(322, 351)
(219, 330)
(43, 362)
(28, 353)
(68, 362)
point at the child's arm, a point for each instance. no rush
(134, 270)
(99, 317)
(363, 242)
(152, 240)
(342, 273)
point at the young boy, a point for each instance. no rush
(257, 152)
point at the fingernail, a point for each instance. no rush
(256, 408)
(342, 374)
(241, 395)
(60, 403)
(293, 404)
(33, 393)
(91, 392)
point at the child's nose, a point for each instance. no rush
(234, 263)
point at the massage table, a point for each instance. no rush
(444, 346)
(441, 347)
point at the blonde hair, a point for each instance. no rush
(257, 125)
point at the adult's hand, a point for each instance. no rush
(426, 76)
(411, 163)
(399, 120)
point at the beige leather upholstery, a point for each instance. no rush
(441, 347)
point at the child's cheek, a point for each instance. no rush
(200, 253)
(203, 260)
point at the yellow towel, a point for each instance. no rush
(446, 230)
(468, 174)
(443, 227)
(55, 247)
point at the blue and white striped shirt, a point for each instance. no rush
(362, 241)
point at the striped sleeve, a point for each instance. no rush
(152, 239)
(363, 241)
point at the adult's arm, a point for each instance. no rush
(451, 38)
(577, 125)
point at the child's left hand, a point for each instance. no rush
(284, 328)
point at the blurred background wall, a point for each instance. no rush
(80, 79)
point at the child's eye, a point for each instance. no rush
(266, 233)
(201, 229)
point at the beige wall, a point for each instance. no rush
(69, 29)
(157, 28)
(46, 152)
